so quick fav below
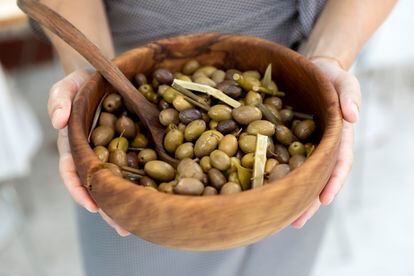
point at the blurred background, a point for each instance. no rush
(370, 232)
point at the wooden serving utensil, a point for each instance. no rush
(146, 111)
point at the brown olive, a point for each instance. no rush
(230, 88)
(208, 191)
(169, 116)
(132, 160)
(189, 186)
(107, 119)
(102, 153)
(118, 157)
(229, 145)
(112, 102)
(118, 143)
(220, 160)
(173, 139)
(297, 148)
(220, 112)
(205, 163)
(189, 115)
(102, 135)
(247, 143)
(140, 141)
(185, 150)
(188, 168)
(226, 126)
(205, 117)
(278, 172)
(274, 101)
(261, 127)
(216, 178)
(284, 135)
(125, 126)
(230, 188)
(286, 115)
(163, 76)
(162, 105)
(270, 164)
(304, 129)
(159, 170)
(140, 79)
(281, 154)
(247, 160)
(194, 129)
(147, 182)
(146, 155)
(296, 161)
(246, 114)
(190, 67)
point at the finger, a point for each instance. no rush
(349, 90)
(121, 231)
(70, 177)
(342, 167)
(61, 96)
(300, 222)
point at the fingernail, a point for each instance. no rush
(90, 209)
(355, 110)
(328, 200)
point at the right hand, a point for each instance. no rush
(60, 100)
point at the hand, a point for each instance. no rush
(61, 96)
(349, 92)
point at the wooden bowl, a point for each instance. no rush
(224, 221)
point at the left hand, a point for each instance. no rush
(349, 92)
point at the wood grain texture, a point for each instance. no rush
(215, 222)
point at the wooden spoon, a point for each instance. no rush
(146, 111)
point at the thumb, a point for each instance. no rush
(349, 92)
(61, 96)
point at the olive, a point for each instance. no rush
(132, 160)
(226, 126)
(190, 67)
(205, 144)
(170, 94)
(118, 157)
(163, 76)
(284, 135)
(233, 177)
(230, 188)
(247, 143)
(216, 178)
(281, 154)
(270, 164)
(185, 150)
(229, 145)
(140, 79)
(181, 127)
(274, 101)
(114, 169)
(274, 111)
(230, 88)
(239, 154)
(181, 104)
(207, 70)
(155, 83)
(286, 115)
(309, 147)
(147, 182)
(246, 114)
(102, 153)
(152, 189)
(201, 79)
(189, 186)
(173, 139)
(107, 119)
(247, 160)
(278, 172)
(140, 141)
(213, 124)
(120, 143)
(204, 117)
(146, 89)
(162, 104)
(230, 73)
(208, 191)
(146, 155)
(167, 187)
(295, 123)
(220, 160)
(188, 168)
(261, 127)
(220, 112)
(159, 170)
(270, 147)
(218, 76)
(189, 115)
(304, 129)
(125, 126)
(297, 148)
(194, 129)
(162, 88)
(112, 102)
(296, 161)
(247, 83)
(205, 163)
(251, 74)
(102, 135)
(169, 116)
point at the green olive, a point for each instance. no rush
(209, 191)
(181, 127)
(205, 144)
(220, 112)
(162, 88)
(185, 150)
(251, 74)
(297, 148)
(189, 186)
(230, 73)
(309, 147)
(218, 76)
(247, 83)
(296, 161)
(201, 79)
(278, 172)
(146, 89)
(194, 129)
(167, 187)
(274, 111)
(118, 157)
(173, 139)
(207, 70)
(118, 143)
(107, 119)
(220, 160)
(286, 115)
(190, 67)
(146, 155)
(147, 182)
(181, 104)
(247, 143)
(213, 124)
(281, 154)
(102, 135)
(159, 170)
(229, 145)
(168, 116)
(261, 127)
(276, 102)
(112, 103)
(304, 129)
(246, 114)
(270, 164)
(170, 94)
(230, 188)
(205, 163)
(125, 126)
(140, 141)
(188, 168)
(284, 135)
(233, 177)
(247, 160)
(253, 98)
(132, 160)
(216, 178)
(102, 153)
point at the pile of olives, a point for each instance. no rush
(215, 145)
